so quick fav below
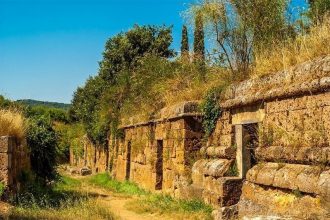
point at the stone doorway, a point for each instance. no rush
(247, 140)
(128, 160)
(250, 143)
(159, 166)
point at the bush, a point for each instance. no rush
(42, 140)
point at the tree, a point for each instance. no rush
(184, 43)
(318, 9)
(199, 46)
(98, 103)
(240, 28)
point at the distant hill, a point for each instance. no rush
(31, 102)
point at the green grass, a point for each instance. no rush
(126, 188)
(154, 203)
(164, 204)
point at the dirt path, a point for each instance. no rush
(116, 203)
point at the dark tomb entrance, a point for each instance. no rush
(159, 165)
(128, 160)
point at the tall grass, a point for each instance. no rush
(64, 200)
(12, 123)
(305, 47)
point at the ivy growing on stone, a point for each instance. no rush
(211, 110)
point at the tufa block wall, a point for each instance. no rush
(94, 157)
(177, 134)
(14, 158)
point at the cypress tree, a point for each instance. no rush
(184, 42)
(199, 47)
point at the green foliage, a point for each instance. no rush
(2, 188)
(211, 110)
(318, 9)
(127, 188)
(199, 45)
(54, 114)
(36, 195)
(233, 170)
(4, 103)
(99, 103)
(32, 103)
(42, 140)
(159, 203)
(240, 28)
(184, 41)
(69, 135)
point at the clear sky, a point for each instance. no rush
(49, 47)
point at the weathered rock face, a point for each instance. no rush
(14, 159)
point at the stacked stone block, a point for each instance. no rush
(14, 159)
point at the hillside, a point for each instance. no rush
(32, 102)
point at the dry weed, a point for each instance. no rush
(12, 123)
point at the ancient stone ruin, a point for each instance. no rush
(14, 159)
(268, 156)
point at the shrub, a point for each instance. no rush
(42, 141)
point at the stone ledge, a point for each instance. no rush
(180, 110)
(272, 203)
(221, 152)
(305, 178)
(304, 155)
(306, 78)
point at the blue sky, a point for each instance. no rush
(49, 47)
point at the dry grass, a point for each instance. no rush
(191, 87)
(12, 123)
(304, 48)
(91, 209)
